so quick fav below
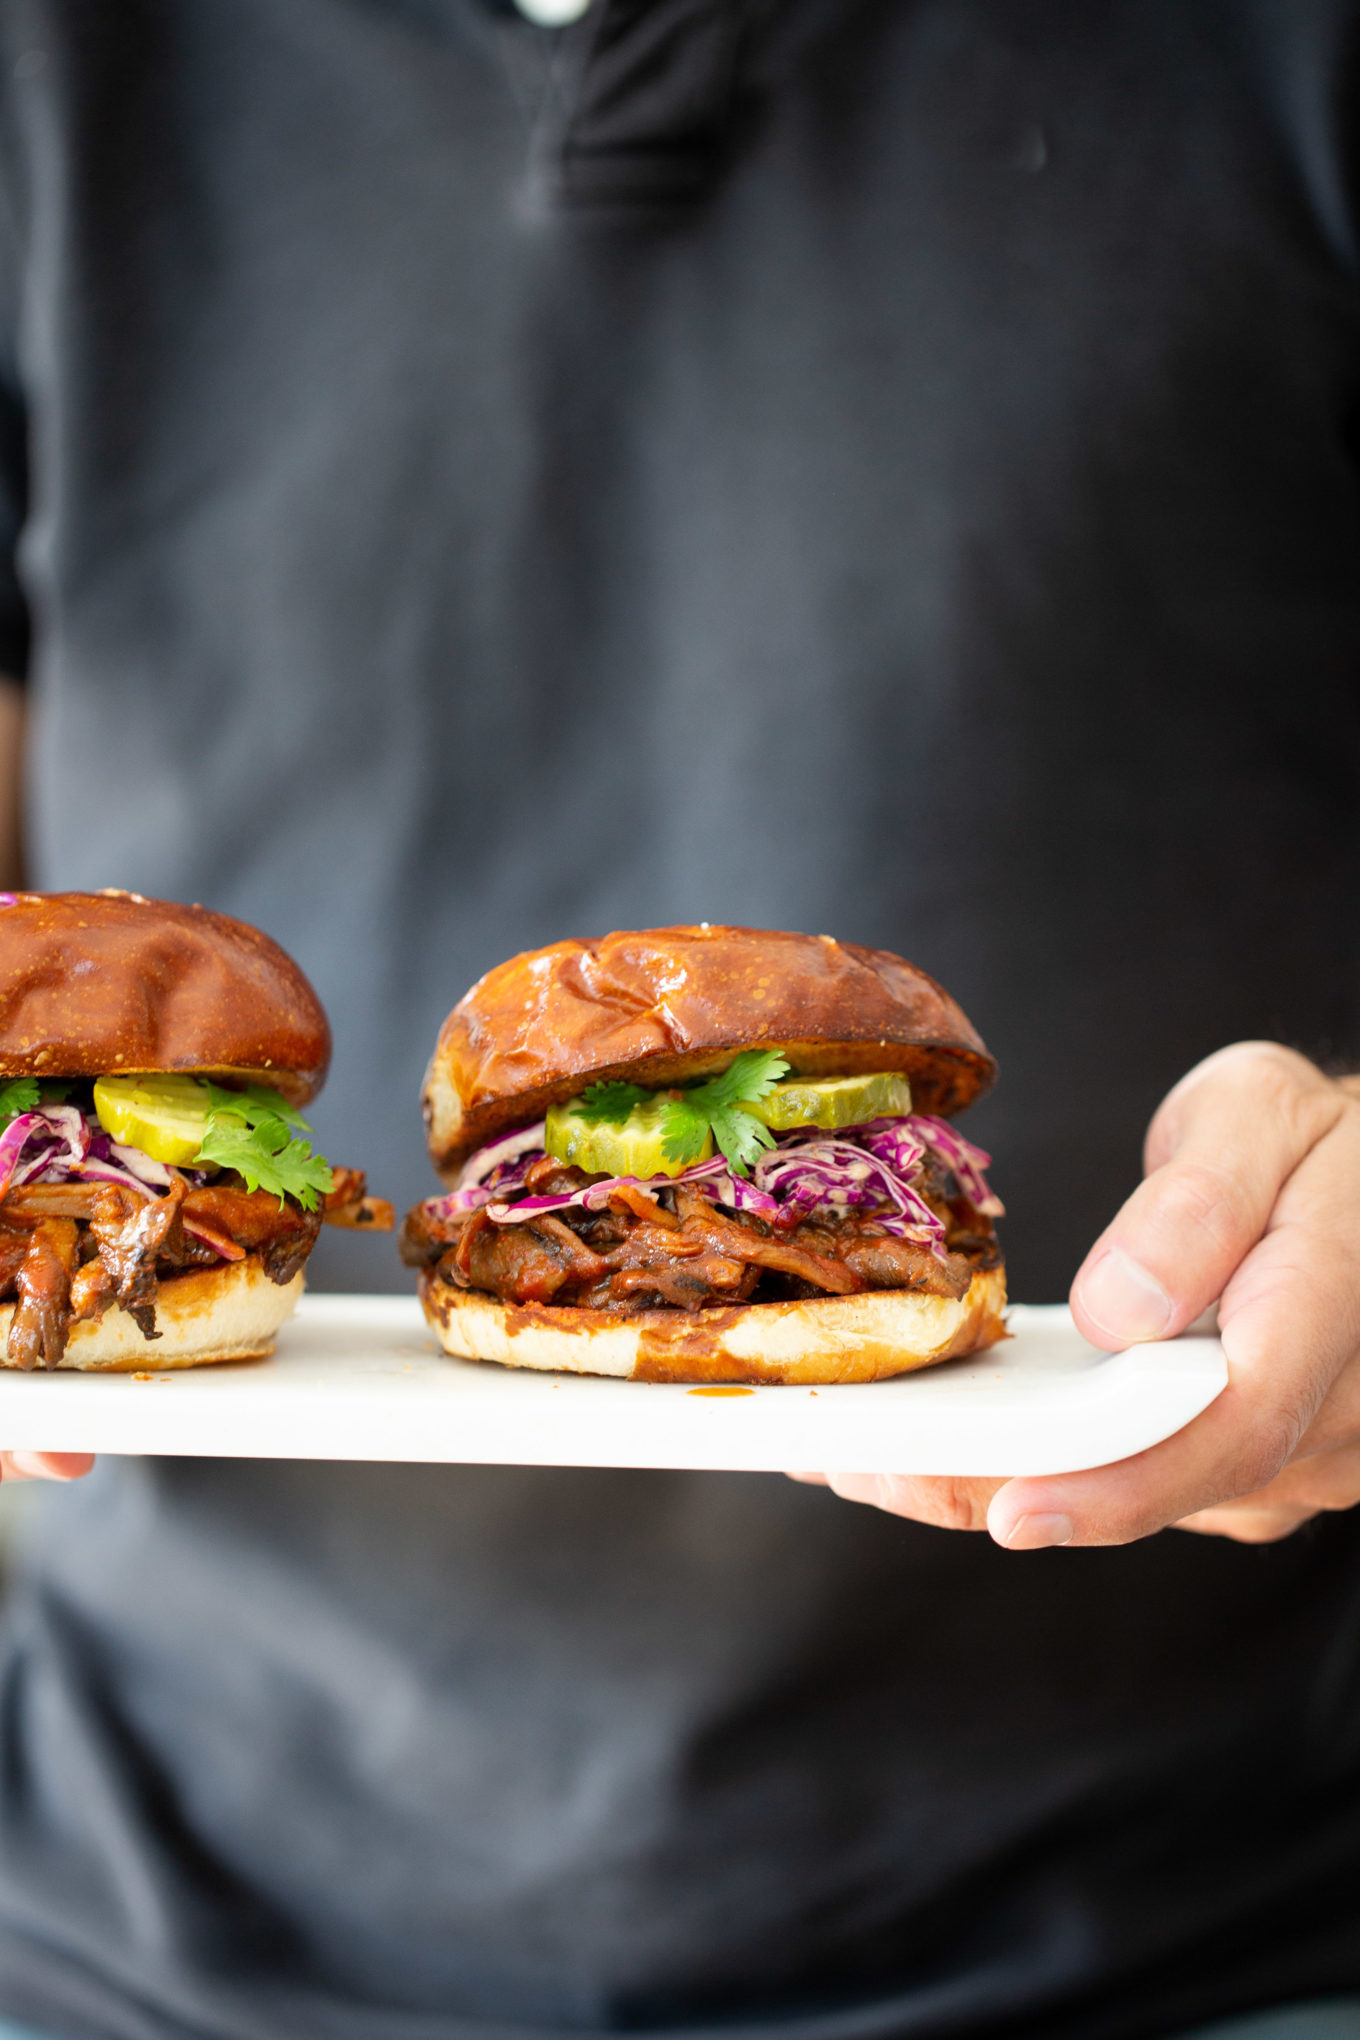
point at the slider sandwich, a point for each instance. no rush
(158, 1194)
(708, 1154)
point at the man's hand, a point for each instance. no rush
(44, 1465)
(1251, 1198)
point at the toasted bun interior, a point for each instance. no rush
(823, 1340)
(93, 984)
(671, 1003)
(226, 1313)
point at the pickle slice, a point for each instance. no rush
(166, 1117)
(632, 1149)
(834, 1101)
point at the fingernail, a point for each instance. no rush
(1124, 1300)
(1035, 1533)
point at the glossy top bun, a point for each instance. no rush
(672, 1003)
(96, 984)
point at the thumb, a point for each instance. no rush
(1222, 1145)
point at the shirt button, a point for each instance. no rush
(552, 13)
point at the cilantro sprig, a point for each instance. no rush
(717, 1107)
(689, 1115)
(257, 1133)
(19, 1095)
(609, 1104)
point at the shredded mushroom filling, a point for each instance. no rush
(71, 1251)
(651, 1249)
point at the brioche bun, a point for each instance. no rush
(668, 1004)
(824, 1340)
(96, 984)
(230, 1312)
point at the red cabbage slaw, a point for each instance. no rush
(886, 1138)
(868, 1168)
(62, 1144)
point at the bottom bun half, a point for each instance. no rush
(230, 1312)
(825, 1339)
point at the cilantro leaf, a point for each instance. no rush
(684, 1128)
(268, 1157)
(19, 1095)
(741, 1136)
(608, 1103)
(717, 1107)
(750, 1078)
(254, 1101)
(255, 1132)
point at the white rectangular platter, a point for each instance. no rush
(360, 1377)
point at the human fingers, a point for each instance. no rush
(1308, 1485)
(1322, 1474)
(1242, 1524)
(1279, 1349)
(1289, 1319)
(1320, 1483)
(1336, 1425)
(45, 1465)
(1218, 1150)
(946, 1503)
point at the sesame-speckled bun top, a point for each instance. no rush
(666, 1004)
(103, 982)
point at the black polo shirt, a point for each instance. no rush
(883, 466)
